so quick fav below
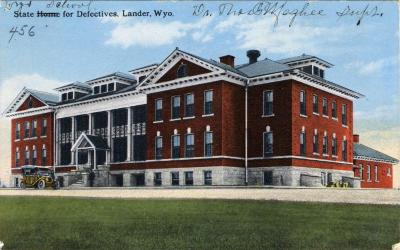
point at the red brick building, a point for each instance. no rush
(195, 121)
(374, 168)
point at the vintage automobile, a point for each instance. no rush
(38, 177)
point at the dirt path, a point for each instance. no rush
(372, 196)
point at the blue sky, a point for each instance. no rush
(365, 56)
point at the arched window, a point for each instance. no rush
(182, 71)
(30, 103)
(268, 141)
(17, 157)
(27, 156)
(44, 155)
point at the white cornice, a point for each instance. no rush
(298, 157)
(31, 112)
(365, 158)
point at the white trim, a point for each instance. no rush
(158, 121)
(184, 159)
(298, 157)
(189, 117)
(366, 158)
(30, 112)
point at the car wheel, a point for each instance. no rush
(22, 185)
(41, 184)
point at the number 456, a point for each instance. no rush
(21, 31)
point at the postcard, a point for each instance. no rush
(199, 124)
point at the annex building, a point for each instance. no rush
(195, 121)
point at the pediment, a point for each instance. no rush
(30, 102)
(167, 70)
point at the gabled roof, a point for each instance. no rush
(46, 98)
(115, 74)
(77, 85)
(263, 67)
(95, 142)
(303, 57)
(361, 151)
(144, 68)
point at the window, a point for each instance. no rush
(34, 124)
(96, 90)
(368, 173)
(268, 177)
(26, 134)
(176, 146)
(315, 143)
(34, 155)
(27, 156)
(361, 172)
(44, 127)
(176, 104)
(208, 102)
(64, 97)
(157, 179)
(268, 144)
(268, 98)
(334, 146)
(175, 178)
(303, 102)
(389, 172)
(182, 71)
(344, 114)
(189, 105)
(159, 147)
(325, 106)
(376, 174)
(189, 178)
(17, 131)
(103, 88)
(17, 158)
(325, 145)
(208, 143)
(158, 110)
(303, 143)
(70, 95)
(321, 73)
(189, 145)
(334, 112)
(44, 155)
(323, 179)
(110, 87)
(315, 104)
(30, 102)
(316, 70)
(207, 177)
(344, 150)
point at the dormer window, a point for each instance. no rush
(182, 71)
(70, 95)
(104, 88)
(96, 90)
(64, 97)
(111, 87)
(67, 96)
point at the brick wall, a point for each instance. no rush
(384, 180)
(38, 141)
(35, 103)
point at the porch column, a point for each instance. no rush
(76, 158)
(129, 136)
(58, 131)
(72, 139)
(94, 159)
(90, 123)
(109, 134)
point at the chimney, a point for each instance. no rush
(356, 138)
(253, 55)
(228, 60)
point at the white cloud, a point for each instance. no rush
(366, 68)
(152, 34)
(253, 33)
(10, 87)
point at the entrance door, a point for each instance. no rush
(268, 177)
(16, 182)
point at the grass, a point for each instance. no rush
(73, 223)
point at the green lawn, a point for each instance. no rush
(68, 223)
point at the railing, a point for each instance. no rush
(139, 128)
(119, 131)
(100, 132)
(65, 137)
